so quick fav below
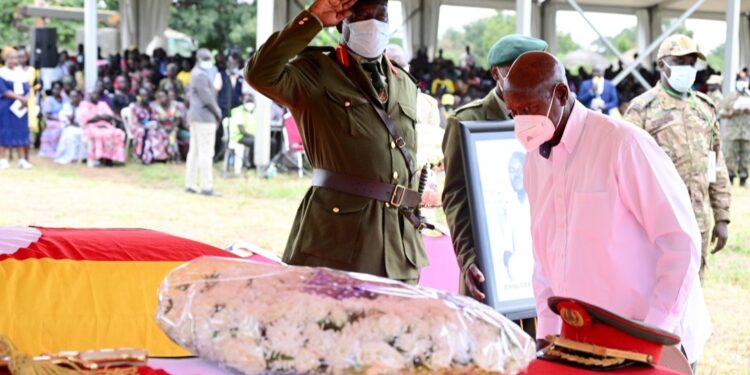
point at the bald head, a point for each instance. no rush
(536, 85)
(535, 72)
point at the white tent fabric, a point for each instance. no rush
(142, 21)
(744, 40)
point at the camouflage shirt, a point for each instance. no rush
(737, 127)
(687, 129)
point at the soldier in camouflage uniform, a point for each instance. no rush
(736, 109)
(685, 124)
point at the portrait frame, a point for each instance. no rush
(480, 139)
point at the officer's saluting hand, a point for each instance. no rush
(332, 12)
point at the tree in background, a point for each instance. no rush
(716, 58)
(624, 41)
(480, 35)
(12, 34)
(565, 45)
(216, 24)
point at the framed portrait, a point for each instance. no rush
(493, 164)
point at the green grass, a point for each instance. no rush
(261, 211)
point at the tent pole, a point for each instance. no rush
(90, 45)
(607, 43)
(732, 46)
(631, 68)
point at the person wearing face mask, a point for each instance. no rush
(204, 116)
(611, 220)
(356, 112)
(685, 124)
(455, 197)
(736, 109)
(242, 132)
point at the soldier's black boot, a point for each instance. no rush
(743, 182)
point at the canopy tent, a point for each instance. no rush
(143, 19)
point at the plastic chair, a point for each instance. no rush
(294, 141)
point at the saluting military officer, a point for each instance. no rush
(455, 196)
(356, 113)
(685, 124)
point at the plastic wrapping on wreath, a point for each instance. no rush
(256, 318)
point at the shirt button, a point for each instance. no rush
(347, 104)
(336, 210)
(395, 175)
(393, 144)
(302, 22)
(387, 205)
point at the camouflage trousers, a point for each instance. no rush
(705, 239)
(738, 157)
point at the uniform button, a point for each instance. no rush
(393, 144)
(387, 205)
(302, 22)
(395, 175)
(306, 18)
(347, 104)
(336, 210)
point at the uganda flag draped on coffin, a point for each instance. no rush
(83, 289)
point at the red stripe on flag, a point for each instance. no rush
(114, 245)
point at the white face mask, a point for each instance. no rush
(206, 65)
(366, 38)
(681, 77)
(742, 86)
(249, 106)
(533, 130)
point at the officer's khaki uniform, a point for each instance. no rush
(455, 194)
(342, 133)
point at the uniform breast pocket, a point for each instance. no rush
(590, 216)
(355, 112)
(332, 226)
(407, 123)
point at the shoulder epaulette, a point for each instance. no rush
(322, 49)
(474, 104)
(642, 101)
(706, 99)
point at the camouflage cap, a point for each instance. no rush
(509, 47)
(679, 45)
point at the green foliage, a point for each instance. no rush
(665, 23)
(565, 44)
(216, 24)
(66, 29)
(716, 58)
(480, 35)
(624, 41)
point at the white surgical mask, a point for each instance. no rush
(249, 106)
(742, 86)
(681, 77)
(206, 65)
(533, 130)
(366, 38)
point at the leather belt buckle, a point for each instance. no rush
(397, 197)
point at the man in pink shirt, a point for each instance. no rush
(611, 220)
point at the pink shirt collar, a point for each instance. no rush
(574, 127)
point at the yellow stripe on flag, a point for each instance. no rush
(48, 305)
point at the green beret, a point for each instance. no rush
(509, 47)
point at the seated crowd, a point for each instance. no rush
(137, 107)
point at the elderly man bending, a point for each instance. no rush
(612, 222)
